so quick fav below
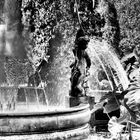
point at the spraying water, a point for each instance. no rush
(106, 61)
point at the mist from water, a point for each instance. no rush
(12, 42)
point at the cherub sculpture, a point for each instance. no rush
(80, 66)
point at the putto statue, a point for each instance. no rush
(79, 69)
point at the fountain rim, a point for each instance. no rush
(44, 113)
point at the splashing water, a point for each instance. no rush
(105, 61)
(24, 99)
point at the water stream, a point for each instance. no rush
(106, 72)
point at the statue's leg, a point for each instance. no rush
(80, 85)
(75, 91)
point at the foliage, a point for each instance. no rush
(129, 19)
(39, 22)
(44, 19)
(1, 11)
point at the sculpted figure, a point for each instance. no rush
(80, 66)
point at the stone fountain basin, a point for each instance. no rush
(43, 122)
(39, 121)
(53, 125)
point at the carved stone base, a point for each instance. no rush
(74, 134)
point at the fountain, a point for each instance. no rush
(26, 113)
(34, 112)
(30, 111)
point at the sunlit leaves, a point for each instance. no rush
(129, 19)
(43, 19)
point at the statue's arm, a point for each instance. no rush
(88, 60)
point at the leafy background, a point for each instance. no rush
(49, 29)
(129, 19)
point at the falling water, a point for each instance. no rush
(103, 58)
(14, 73)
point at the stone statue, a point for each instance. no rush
(80, 66)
